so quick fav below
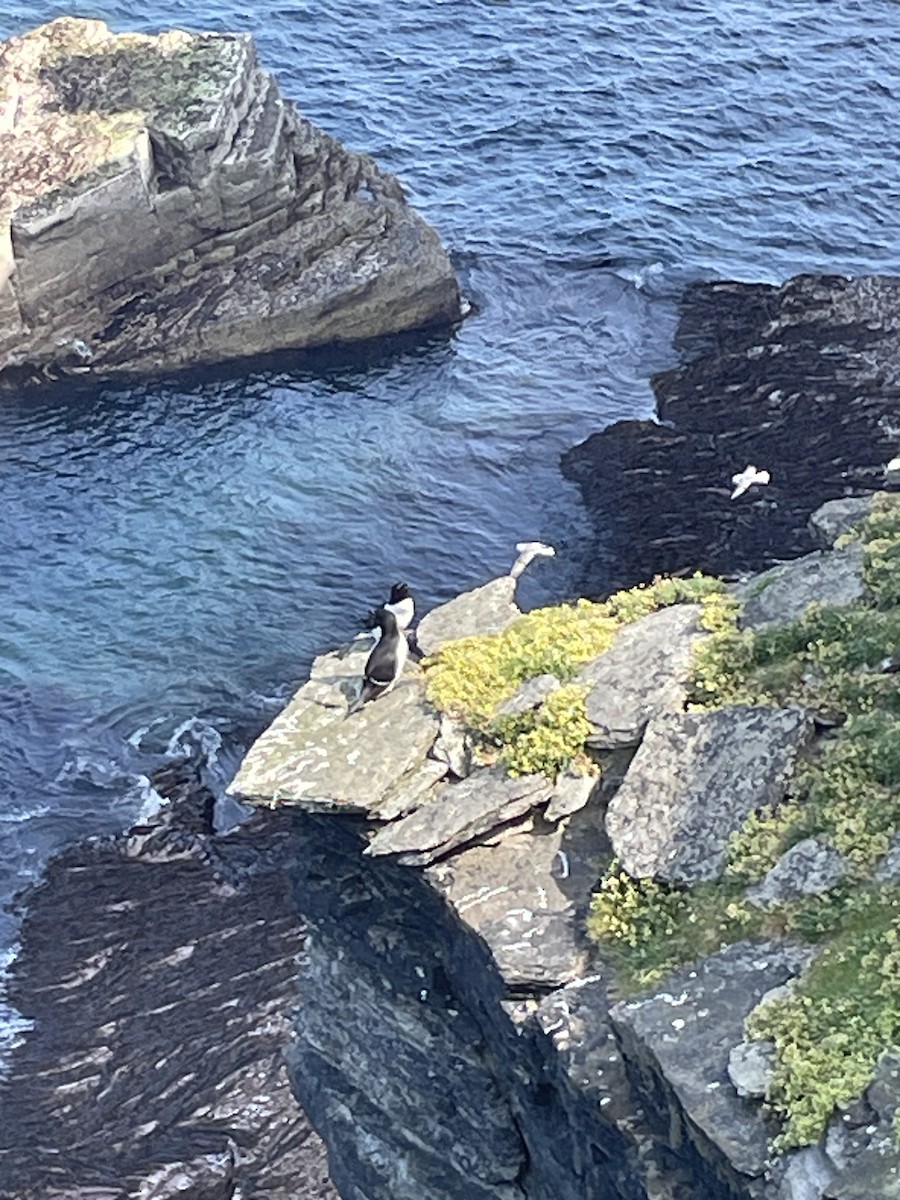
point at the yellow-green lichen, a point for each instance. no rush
(649, 928)
(845, 1013)
(471, 677)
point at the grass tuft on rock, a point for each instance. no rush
(471, 677)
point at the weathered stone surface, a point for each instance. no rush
(643, 673)
(486, 609)
(807, 869)
(869, 1158)
(750, 1066)
(570, 793)
(159, 970)
(836, 517)
(162, 205)
(682, 1038)
(458, 812)
(315, 755)
(525, 893)
(799, 379)
(453, 747)
(785, 592)
(411, 790)
(531, 694)
(694, 780)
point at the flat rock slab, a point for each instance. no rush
(523, 893)
(316, 756)
(685, 1034)
(694, 780)
(785, 592)
(458, 812)
(643, 673)
(486, 609)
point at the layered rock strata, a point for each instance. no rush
(799, 379)
(162, 205)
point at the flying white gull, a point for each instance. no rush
(746, 479)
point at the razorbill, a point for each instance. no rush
(386, 660)
(401, 604)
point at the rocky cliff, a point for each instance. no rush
(162, 205)
(660, 967)
(460, 1032)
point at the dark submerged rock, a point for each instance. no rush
(159, 969)
(799, 379)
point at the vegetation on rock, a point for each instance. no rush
(845, 1011)
(471, 677)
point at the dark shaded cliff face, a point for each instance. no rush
(159, 969)
(427, 1078)
(802, 380)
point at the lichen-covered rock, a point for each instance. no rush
(643, 673)
(694, 780)
(531, 694)
(836, 517)
(750, 1067)
(486, 609)
(681, 1039)
(807, 869)
(162, 205)
(458, 812)
(785, 592)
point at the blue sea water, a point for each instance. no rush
(174, 553)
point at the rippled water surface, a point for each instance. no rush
(173, 554)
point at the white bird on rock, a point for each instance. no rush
(528, 551)
(747, 479)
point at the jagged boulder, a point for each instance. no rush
(644, 672)
(694, 780)
(162, 205)
(783, 593)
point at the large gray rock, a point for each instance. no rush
(643, 673)
(486, 609)
(458, 812)
(524, 892)
(161, 205)
(316, 755)
(694, 780)
(868, 1156)
(683, 1037)
(785, 592)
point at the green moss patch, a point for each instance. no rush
(470, 678)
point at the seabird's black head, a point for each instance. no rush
(385, 620)
(400, 591)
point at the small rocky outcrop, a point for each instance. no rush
(798, 379)
(162, 205)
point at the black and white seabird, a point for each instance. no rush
(401, 604)
(385, 663)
